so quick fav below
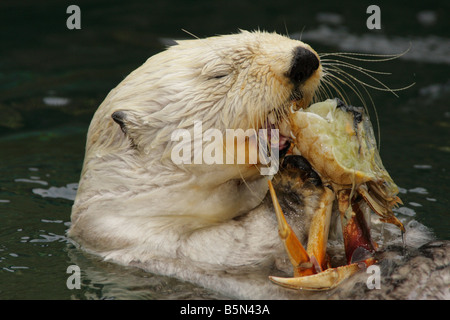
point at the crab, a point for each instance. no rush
(338, 141)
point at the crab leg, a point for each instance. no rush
(315, 255)
(357, 241)
(297, 254)
(382, 209)
(318, 231)
(309, 264)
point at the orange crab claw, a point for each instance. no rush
(325, 280)
(319, 229)
(311, 270)
(296, 252)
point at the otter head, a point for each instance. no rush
(236, 81)
(226, 82)
(240, 79)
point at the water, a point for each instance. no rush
(52, 80)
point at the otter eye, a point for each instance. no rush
(216, 69)
(219, 76)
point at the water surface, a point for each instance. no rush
(53, 79)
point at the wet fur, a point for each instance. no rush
(135, 207)
(133, 202)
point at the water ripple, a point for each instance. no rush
(68, 192)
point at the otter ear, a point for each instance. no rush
(137, 127)
(120, 117)
(125, 119)
(131, 124)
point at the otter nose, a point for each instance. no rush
(303, 65)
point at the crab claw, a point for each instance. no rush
(325, 280)
(296, 252)
(311, 270)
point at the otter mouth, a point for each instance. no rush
(275, 121)
(284, 141)
(305, 75)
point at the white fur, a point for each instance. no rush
(137, 199)
(134, 206)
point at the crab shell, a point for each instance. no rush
(339, 142)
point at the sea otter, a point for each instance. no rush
(198, 222)
(132, 198)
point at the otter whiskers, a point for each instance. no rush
(336, 76)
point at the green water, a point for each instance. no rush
(42, 136)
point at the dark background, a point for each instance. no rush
(40, 56)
